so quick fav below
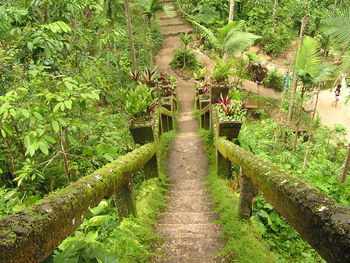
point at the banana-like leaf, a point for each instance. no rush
(309, 59)
(339, 29)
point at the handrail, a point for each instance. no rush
(321, 221)
(206, 109)
(31, 235)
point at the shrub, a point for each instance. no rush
(274, 80)
(137, 101)
(185, 59)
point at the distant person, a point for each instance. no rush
(287, 78)
(337, 96)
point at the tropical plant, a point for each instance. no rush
(223, 70)
(274, 80)
(338, 28)
(229, 109)
(150, 8)
(228, 39)
(185, 59)
(138, 100)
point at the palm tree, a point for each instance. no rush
(339, 29)
(228, 39)
(150, 8)
(311, 71)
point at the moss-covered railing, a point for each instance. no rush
(33, 234)
(321, 221)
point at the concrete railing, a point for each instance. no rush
(31, 235)
(322, 222)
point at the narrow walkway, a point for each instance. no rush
(187, 224)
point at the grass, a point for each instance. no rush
(244, 244)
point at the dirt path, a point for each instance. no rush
(329, 115)
(187, 224)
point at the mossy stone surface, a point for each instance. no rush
(321, 221)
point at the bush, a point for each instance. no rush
(138, 100)
(274, 80)
(185, 59)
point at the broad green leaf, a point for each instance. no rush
(26, 141)
(91, 236)
(62, 122)
(98, 220)
(38, 116)
(43, 147)
(98, 209)
(30, 46)
(25, 113)
(55, 126)
(49, 139)
(3, 133)
(68, 104)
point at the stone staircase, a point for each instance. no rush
(187, 226)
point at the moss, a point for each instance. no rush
(57, 215)
(298, 202)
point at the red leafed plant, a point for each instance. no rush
(135, 75)
(150, 77)
(225, 103)
(151, 109)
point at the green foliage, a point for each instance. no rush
(264, 138)
(274, 80)
(242, 237)
(137, 101)
(228, 39)
(185, 59)
(103, 238)
(223, 70)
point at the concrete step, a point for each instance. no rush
(191, 247)
(191, 204)
(189, 185)
(177, 193)
(168, 15)
(190, 260)
(172, 22)
(187, 218)
(203, 231)
(176, 30)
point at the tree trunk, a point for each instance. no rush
(345, 168)
(295, 81)
(130, 35)
(274, 16)
(232, 11)
(307, 152)
(150, 43)
(299, 118)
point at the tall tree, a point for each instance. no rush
(231, 11)
(130, 35)
(150, 8)
(295, 80)
(274, 13)
(345, 168)
(311, 71)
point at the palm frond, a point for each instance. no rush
(237, 41)
(209, 35)
(327, 72)
(339, 29)
(224, 31)
(309, 59)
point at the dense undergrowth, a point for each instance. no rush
(103, 238)
(277, 32)
(241, 237)
(63, 80)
